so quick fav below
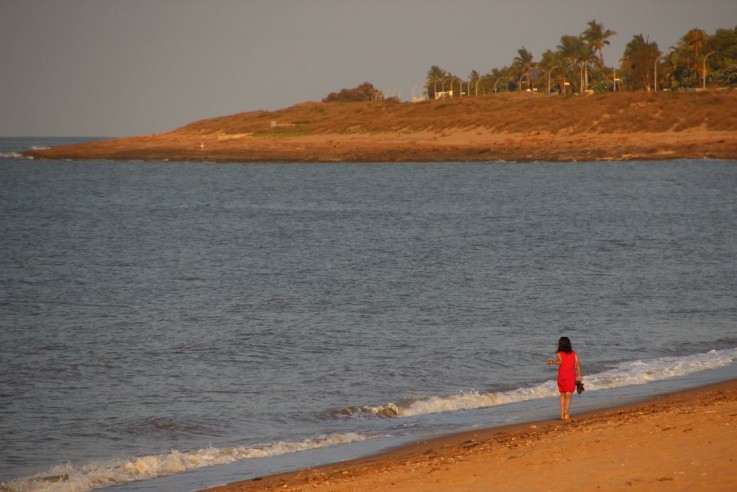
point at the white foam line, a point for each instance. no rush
(625, 374)
(69, 478)
(10, 155)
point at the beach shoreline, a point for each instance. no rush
(669, 442)
(452, 145)
(501, 128)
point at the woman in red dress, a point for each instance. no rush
(569, 372)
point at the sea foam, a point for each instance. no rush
(10, 155)
(70, 478)
(624, 374)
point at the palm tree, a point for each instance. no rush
(597, 38)
(434, 75)
(639, 58)
(686, 58)
(571, 50)
(497, 76)
(523, 65)
(473, 78)
(548, 62)
(723, 41)
(692, 43)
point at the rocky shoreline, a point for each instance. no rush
(512, 128)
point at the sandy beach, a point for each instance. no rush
(680, 441)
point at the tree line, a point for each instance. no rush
(576, 65)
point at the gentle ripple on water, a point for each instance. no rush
(156, 306)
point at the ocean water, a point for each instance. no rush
(168, 326)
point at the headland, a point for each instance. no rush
(512, 127)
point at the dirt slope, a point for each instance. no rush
(511, 127)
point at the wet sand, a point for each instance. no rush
(680, 441)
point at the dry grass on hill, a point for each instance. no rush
(502, 127)
(509, 112)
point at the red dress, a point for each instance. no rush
(567, 373)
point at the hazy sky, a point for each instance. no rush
(131, 67)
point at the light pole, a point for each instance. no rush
(451, 86)
(426, 87)
(615, 80)
(655, 82)
(435, 87)
(520, 81)
(621, 70)
(580, 79)
(703, 67)
(549, 72)
(497, 81)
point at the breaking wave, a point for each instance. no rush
(11, 155)
(624, 374)
(70, 478)
(18, 155)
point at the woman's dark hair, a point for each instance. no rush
(564, 345)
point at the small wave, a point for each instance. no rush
(464, 401)
(389, 410)
(18, 155)
(70, 478)
(642, 372)
(11, 155)
(625, 374)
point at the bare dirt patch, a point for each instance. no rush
(504, 127)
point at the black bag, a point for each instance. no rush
(579, 387)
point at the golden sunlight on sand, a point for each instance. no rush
(682, 441)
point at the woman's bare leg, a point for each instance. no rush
(562, 405)
(566, 406)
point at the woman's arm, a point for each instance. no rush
(579, 374)
(555, 362)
